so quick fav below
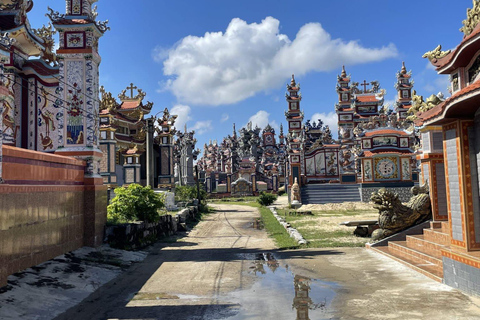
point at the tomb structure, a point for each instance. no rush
(251, 161)
(375, 146)
(450, 156)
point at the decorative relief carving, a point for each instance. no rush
(436, 53)
(473, 17)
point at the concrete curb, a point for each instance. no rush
(291, 231)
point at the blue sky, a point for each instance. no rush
(216, 63)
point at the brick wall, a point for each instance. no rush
(45, 209)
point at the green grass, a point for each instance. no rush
(276, 230)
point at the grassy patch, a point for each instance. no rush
(322, 229)
(276, 230)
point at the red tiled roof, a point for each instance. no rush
(369, 98)
(386, 131)
(439, 63)
(437, 110)
(129, 105)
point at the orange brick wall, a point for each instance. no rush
(45, 209)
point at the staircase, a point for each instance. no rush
(422, 252)
(330, 193)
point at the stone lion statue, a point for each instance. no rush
(395, 216)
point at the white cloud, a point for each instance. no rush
(250, 58)
(225, 117)
(261, 120)
(159, 54)
(330, 120)
(201, 127)
(183, 113)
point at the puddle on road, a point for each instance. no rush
(278, 293)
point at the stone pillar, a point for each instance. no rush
(208, 184)
(150, 158)
(254, 182)
(229, 183)
(78, 129)
(462, 182)
(275, 183)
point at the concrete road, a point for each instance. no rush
(225, 269)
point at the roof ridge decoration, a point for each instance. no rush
(5, 40)
(419, 105)
(436, 54)
(107, 102)
(46, 33)
(57, 17)
(473, 18)
(140, 95)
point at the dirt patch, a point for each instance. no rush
(337, 206)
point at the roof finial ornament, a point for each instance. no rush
(344, 73)
(404, 69)
(436, 54)
(292, 83)
(473, 18)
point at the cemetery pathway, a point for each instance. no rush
(226, 269)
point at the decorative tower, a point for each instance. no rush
(268, 136)
(404, 87)
(294, 118)
(344, 108)
(164, 139)
(78, 121)
(79, 61)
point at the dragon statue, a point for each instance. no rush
(395, 216)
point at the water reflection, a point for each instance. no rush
(302, 301)
(279, 293)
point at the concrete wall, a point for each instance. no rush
(45, 209)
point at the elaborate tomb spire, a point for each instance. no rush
(79, 62)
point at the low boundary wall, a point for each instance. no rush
(46, 209)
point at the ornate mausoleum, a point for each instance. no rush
(450, 157)
(375, 146)
(247, 163)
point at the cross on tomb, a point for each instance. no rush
(365, 84)
(131, 88)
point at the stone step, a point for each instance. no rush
(445, 227)
(400, 249)
(425, 269)
(436, 236)
(418, 243)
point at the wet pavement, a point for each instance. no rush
(227, 268)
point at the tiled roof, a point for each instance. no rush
(386, 131)
(367, 98)
(129, 105)
(437, 110)
(439, 63)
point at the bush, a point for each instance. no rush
(134, 202)
(188, 193)
(266, 199)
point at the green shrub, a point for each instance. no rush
(188, 193)
(266, 199)
(134, 203)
